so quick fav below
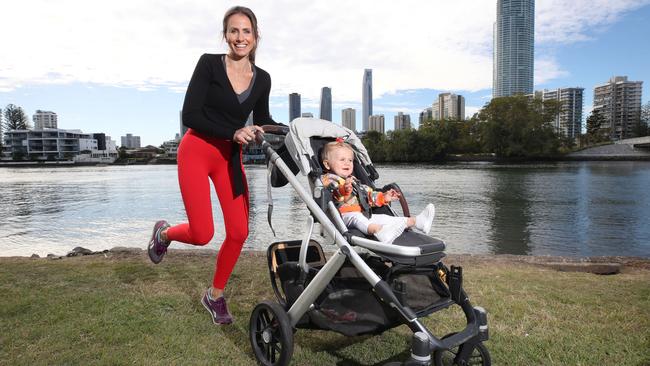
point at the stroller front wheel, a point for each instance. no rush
(271, 334)
(479, 355)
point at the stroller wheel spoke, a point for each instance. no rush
(276, 347)
(264, 320)
(267, 351)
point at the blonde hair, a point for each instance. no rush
(331, 146)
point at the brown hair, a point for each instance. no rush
(251, 16)
(331, 146)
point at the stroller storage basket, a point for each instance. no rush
(423, 289)
(349, 305)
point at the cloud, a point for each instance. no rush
(546, 69)
(305, 45)
(565, 22)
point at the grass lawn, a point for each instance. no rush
(119, 309)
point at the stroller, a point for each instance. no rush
(355, 291)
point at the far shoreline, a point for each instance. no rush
(449, 159)
(590, 264)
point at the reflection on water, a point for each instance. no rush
(579, 208)
(510, 216)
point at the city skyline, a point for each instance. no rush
(99, 74)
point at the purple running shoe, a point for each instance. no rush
(217, 308)
(157, 247)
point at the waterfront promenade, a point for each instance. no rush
(628, 149)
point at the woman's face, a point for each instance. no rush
(239, 36)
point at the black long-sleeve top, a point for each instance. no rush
(211, 107)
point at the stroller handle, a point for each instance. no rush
(281, 130)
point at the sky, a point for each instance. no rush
(122, 66)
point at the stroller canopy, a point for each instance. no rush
(301, 130)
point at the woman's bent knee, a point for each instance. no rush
(202, 237)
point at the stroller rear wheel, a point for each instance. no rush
(480, 356)
(270, 334)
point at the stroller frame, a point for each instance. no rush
(424, 343)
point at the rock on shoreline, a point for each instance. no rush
(603, 265)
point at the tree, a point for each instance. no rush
(518, 127)
(15, 118)
(121, 153)
(375, 143)
(642, 127)
(645, 113)
(595, 131)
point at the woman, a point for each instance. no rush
(223, 91)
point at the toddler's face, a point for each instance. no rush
(340, 162)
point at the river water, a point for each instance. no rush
(564, 208)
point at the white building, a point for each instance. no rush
(104, 150)
(568, 121)
(44, 119)
(349, 118)
(171, 148)
(448, 106)
(49, 144)
(130, 142)
(307, 115)
(402, 121)
(376, 123)
(619, 102)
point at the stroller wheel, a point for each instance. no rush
(270, 334)
(480, 356)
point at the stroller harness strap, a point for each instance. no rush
(269, 195)
(359, 199)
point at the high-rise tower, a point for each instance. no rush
(619, 101)
(449, 106)
(568, 121)
(44, 119)
(366, 103)
(514, 48)
(402, 121)
(326, 104)
(294, 106)
(348, 118)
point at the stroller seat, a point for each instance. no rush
(431, 250)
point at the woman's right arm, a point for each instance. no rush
(197, 90)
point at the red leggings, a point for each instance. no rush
(199, 158)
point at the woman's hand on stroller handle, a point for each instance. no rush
(247, 134)
(279, 129)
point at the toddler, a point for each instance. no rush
(338, 160)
